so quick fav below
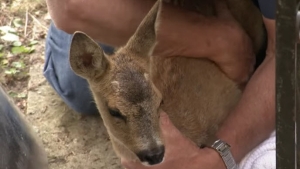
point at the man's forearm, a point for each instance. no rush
(254, 118)
(109, 21)
(113, 21)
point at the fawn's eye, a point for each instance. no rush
(116, 113)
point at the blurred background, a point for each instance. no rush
(71, 141)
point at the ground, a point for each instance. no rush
(71, 141)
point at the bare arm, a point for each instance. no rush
(254, 118)
(114, 21)
(109, 21)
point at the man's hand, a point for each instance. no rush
(181, 153)
(185, 33)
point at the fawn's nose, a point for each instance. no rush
(153, 156)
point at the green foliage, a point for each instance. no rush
(13, 51)
(17, 95)
(21, 50)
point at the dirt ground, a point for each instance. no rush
(71, 141)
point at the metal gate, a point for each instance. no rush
(287, 86)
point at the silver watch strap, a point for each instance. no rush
(229, 160)
(224, 150)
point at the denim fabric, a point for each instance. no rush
(71, 88)
(268, 8)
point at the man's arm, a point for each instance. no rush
(109, 21)
(113, 21)
(253, 119)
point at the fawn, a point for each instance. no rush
(131, 86)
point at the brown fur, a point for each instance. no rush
(131, 86)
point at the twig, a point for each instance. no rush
(26, 22)
(33, 31)
(37, 21)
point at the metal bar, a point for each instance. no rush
(285, 84)
(297, 102)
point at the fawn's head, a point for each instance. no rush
(125, 96)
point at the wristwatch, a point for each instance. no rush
(224, 150)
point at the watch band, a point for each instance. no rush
(224, 150)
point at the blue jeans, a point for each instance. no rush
(73, 89)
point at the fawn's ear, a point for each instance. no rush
(143, 40)
(87, 59)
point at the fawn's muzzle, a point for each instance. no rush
(152, 156)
